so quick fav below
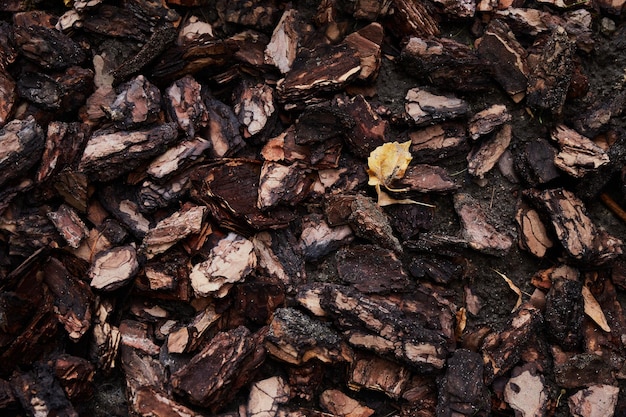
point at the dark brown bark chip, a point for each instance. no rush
(563, 314)
(462, 391)
(371, 269)
(21, 146)
(231, 357)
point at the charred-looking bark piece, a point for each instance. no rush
(413, 19)
(445, 63)
(580, 237)
(486, 155)
(279, 253)
(550, 77)
(308, 79)
(564, 313)
(188, 338)
(295, 338)
(141, 370)
(109, 155)
(185, 105)
(114, 268)
(595, 400)
(40, 393)
(64, 142)
(339, 404)
(223, 129)
(231, 358)
(424, 107)
(371, 269)
(579, 155)
(48, 47)
(8, 95)
(368, 130)
(282, 49)
(175, 160)
(21, 145)
(486, 121)
(476, 228)
(64, 92)
(230, 261)
(526, 392)
(69, 225)
(533, 236)
(106, 337)
(462, 391)
(266, 396)
(581, 370)
(505, 57)
(73, 298)
(138, 103)
(282, 184)
(536, 162)
(501, 351)
(379, 325)
(372, 372)
(458, 8)
(160, 39)
(230, 191)
(172, 229)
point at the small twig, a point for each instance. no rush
(613, 206)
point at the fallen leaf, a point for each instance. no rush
(387, 163)
(593, 310)
(512, 286)
(461, 322)
(385, 199)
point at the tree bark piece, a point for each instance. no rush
(501, 351)
(368, 130)
(185, 105)
(594, 401)
(40, 393)
(462, 391)
(339, 404)
(380, 326)
(138, 103)
(150, 402)
(172, 229)
(526, 392)
(506, 58)
(280, 184)
(445, 63)
(533, 236)
(22, 144)
(266, 395)
(188, 338)
(424, 107)
(476, 228)
(8, 95)
(414, 19)
(486, 121)
(48, 47)
(282, 49)
(230, 261)
(371, 269)
(114, 268)
(425, 178)
(295, 338)
(487, 154)
(73, 298)
(433, 143)
(318, 239)
(111, 154)
(366, 42)
(550, 77)
(564, 313)
(306, 80)
(579, 155)
(232, 357)
(579, 236)
(368, 221)
(69, 224)
(375, 373)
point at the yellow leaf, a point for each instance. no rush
(388, 162)
(512, 286)
(593, 310)
(385, 199)
(68, 3)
